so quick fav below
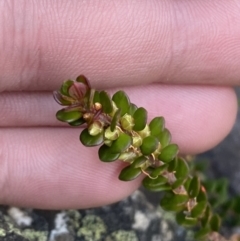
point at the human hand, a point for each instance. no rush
(150, 45)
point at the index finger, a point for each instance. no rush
(118, 43)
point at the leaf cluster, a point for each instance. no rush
(122, 132)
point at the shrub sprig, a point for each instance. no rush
(120, 128)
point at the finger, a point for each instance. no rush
(50, 169)
(119, 42)
(71, 176)
(186, 109)
(199, 117)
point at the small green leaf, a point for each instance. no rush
(215, 223)
(88, 140)
(194, 187)
(121, 144)
(187, 182)
(106, 102)
(105, 155)
(150, 183)
(157, 188)
(182, 170)
(68, 115)
(157, 126)
(77, 122)
(62, 99)
(199, 209)
(65, 87)
(185, 221)
(179, 182)
(159, 170)
(139, 161)
(168, 153)
(173, 202)
(122, 101)
(84, 80)
(129, 173)
(140, 119)
(202, 234)
(132, 109)
(164, 137)
(115, 119)
(96, 97)
(202, 196)
(149, 145)
(206, 217)
(172, 166)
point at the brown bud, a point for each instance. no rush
(127, 122)
(137, 140)
(87, 116)
(108, 142)
(97, 106)
(145, 132)
(127, 156)
(95, 128)
(111, 135)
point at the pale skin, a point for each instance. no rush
(178, 59)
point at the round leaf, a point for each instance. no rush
(194, 187)
(61, 99)
(172, 166)
(164, 137)
(206, 218)
(182, 169)
(199, 209)
(159, 187)
(68, 116)
(115, 119)
(168, 153)
(159, 170)
(121, 144)
(151, 183)
(185, 221)
(65, 87)
(77, 122)
(106, 102)
(215, 223)
(122, 101)
(84, 80)
(202, 196)
(139, 161)
(187, 182)
(157, 126)
(179, 182)
(96, 97)
(129, 173)
(88, 140)
(140, 119)
(149, 145)
(105, 155)
(156, 185)
(173, 202)
(132, 109)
